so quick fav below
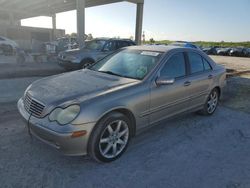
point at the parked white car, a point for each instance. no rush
(6, 41)
(7, 46)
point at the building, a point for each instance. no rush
(13, 11)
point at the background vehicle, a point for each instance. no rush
(210, 50)
(238, 52)
(94, 50)
(223, 51)
(246, 52)
(97, 111)
(7, 46)
(185, 44)
(61, 44)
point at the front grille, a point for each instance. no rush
(32, 106)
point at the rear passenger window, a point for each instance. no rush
(110, 46)
(196, 63)
(175, 67)
(121, 44)
(206, 65)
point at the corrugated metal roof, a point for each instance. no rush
(30, 8)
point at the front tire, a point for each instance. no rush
(86, 63)
(211, 103)
(110, 138)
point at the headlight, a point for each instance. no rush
(65, 116)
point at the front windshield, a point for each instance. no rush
(95, 44)
(133, 64)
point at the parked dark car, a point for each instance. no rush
(185, 44)
(93, 51)
(246, 52)
(223, 51)
(210, 50)
(238, 52)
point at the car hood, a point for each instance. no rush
(75, 86)
(77, 51)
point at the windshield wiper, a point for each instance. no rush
(111, 73)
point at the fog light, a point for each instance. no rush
(78, 134)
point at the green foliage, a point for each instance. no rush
(223, 44)
(207, 44)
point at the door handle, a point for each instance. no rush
(210, 76)
(187, 83)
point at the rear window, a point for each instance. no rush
(198, 63)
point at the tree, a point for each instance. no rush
(73, 35)
(89, 37)
(151, 40)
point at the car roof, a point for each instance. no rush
(105, 38)
(156, 48)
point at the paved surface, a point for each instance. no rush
(12, 89)
(9, 68)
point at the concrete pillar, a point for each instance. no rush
(54, 26)
(80, 9)
(11, 19)
(139, 20)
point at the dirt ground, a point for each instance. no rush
(190, 151)
(237, 93)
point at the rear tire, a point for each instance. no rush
(211, 103)
(110, 138)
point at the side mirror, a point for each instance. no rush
(164, 81)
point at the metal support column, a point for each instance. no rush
(80, 9)
(139, 20)
(54, 26)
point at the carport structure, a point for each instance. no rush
(20, 9)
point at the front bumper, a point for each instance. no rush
(50, 133)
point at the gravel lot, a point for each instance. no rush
(190, 151)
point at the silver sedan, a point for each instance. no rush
(97, 111)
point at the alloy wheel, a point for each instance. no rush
(212, 102)
(114, 139)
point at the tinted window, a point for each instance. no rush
(110, 46)
(121, 44)
(196, 63)
(206, 65)
(175, 67)
(95, 44)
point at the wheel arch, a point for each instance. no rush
(87, 59)
(125, 112)
(219, 90)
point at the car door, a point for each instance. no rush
(168, 100)
(200, 79)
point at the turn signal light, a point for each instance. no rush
(78, 134)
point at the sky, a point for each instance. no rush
(190, 20)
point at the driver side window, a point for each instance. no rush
(110, 46)
(175, 67)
